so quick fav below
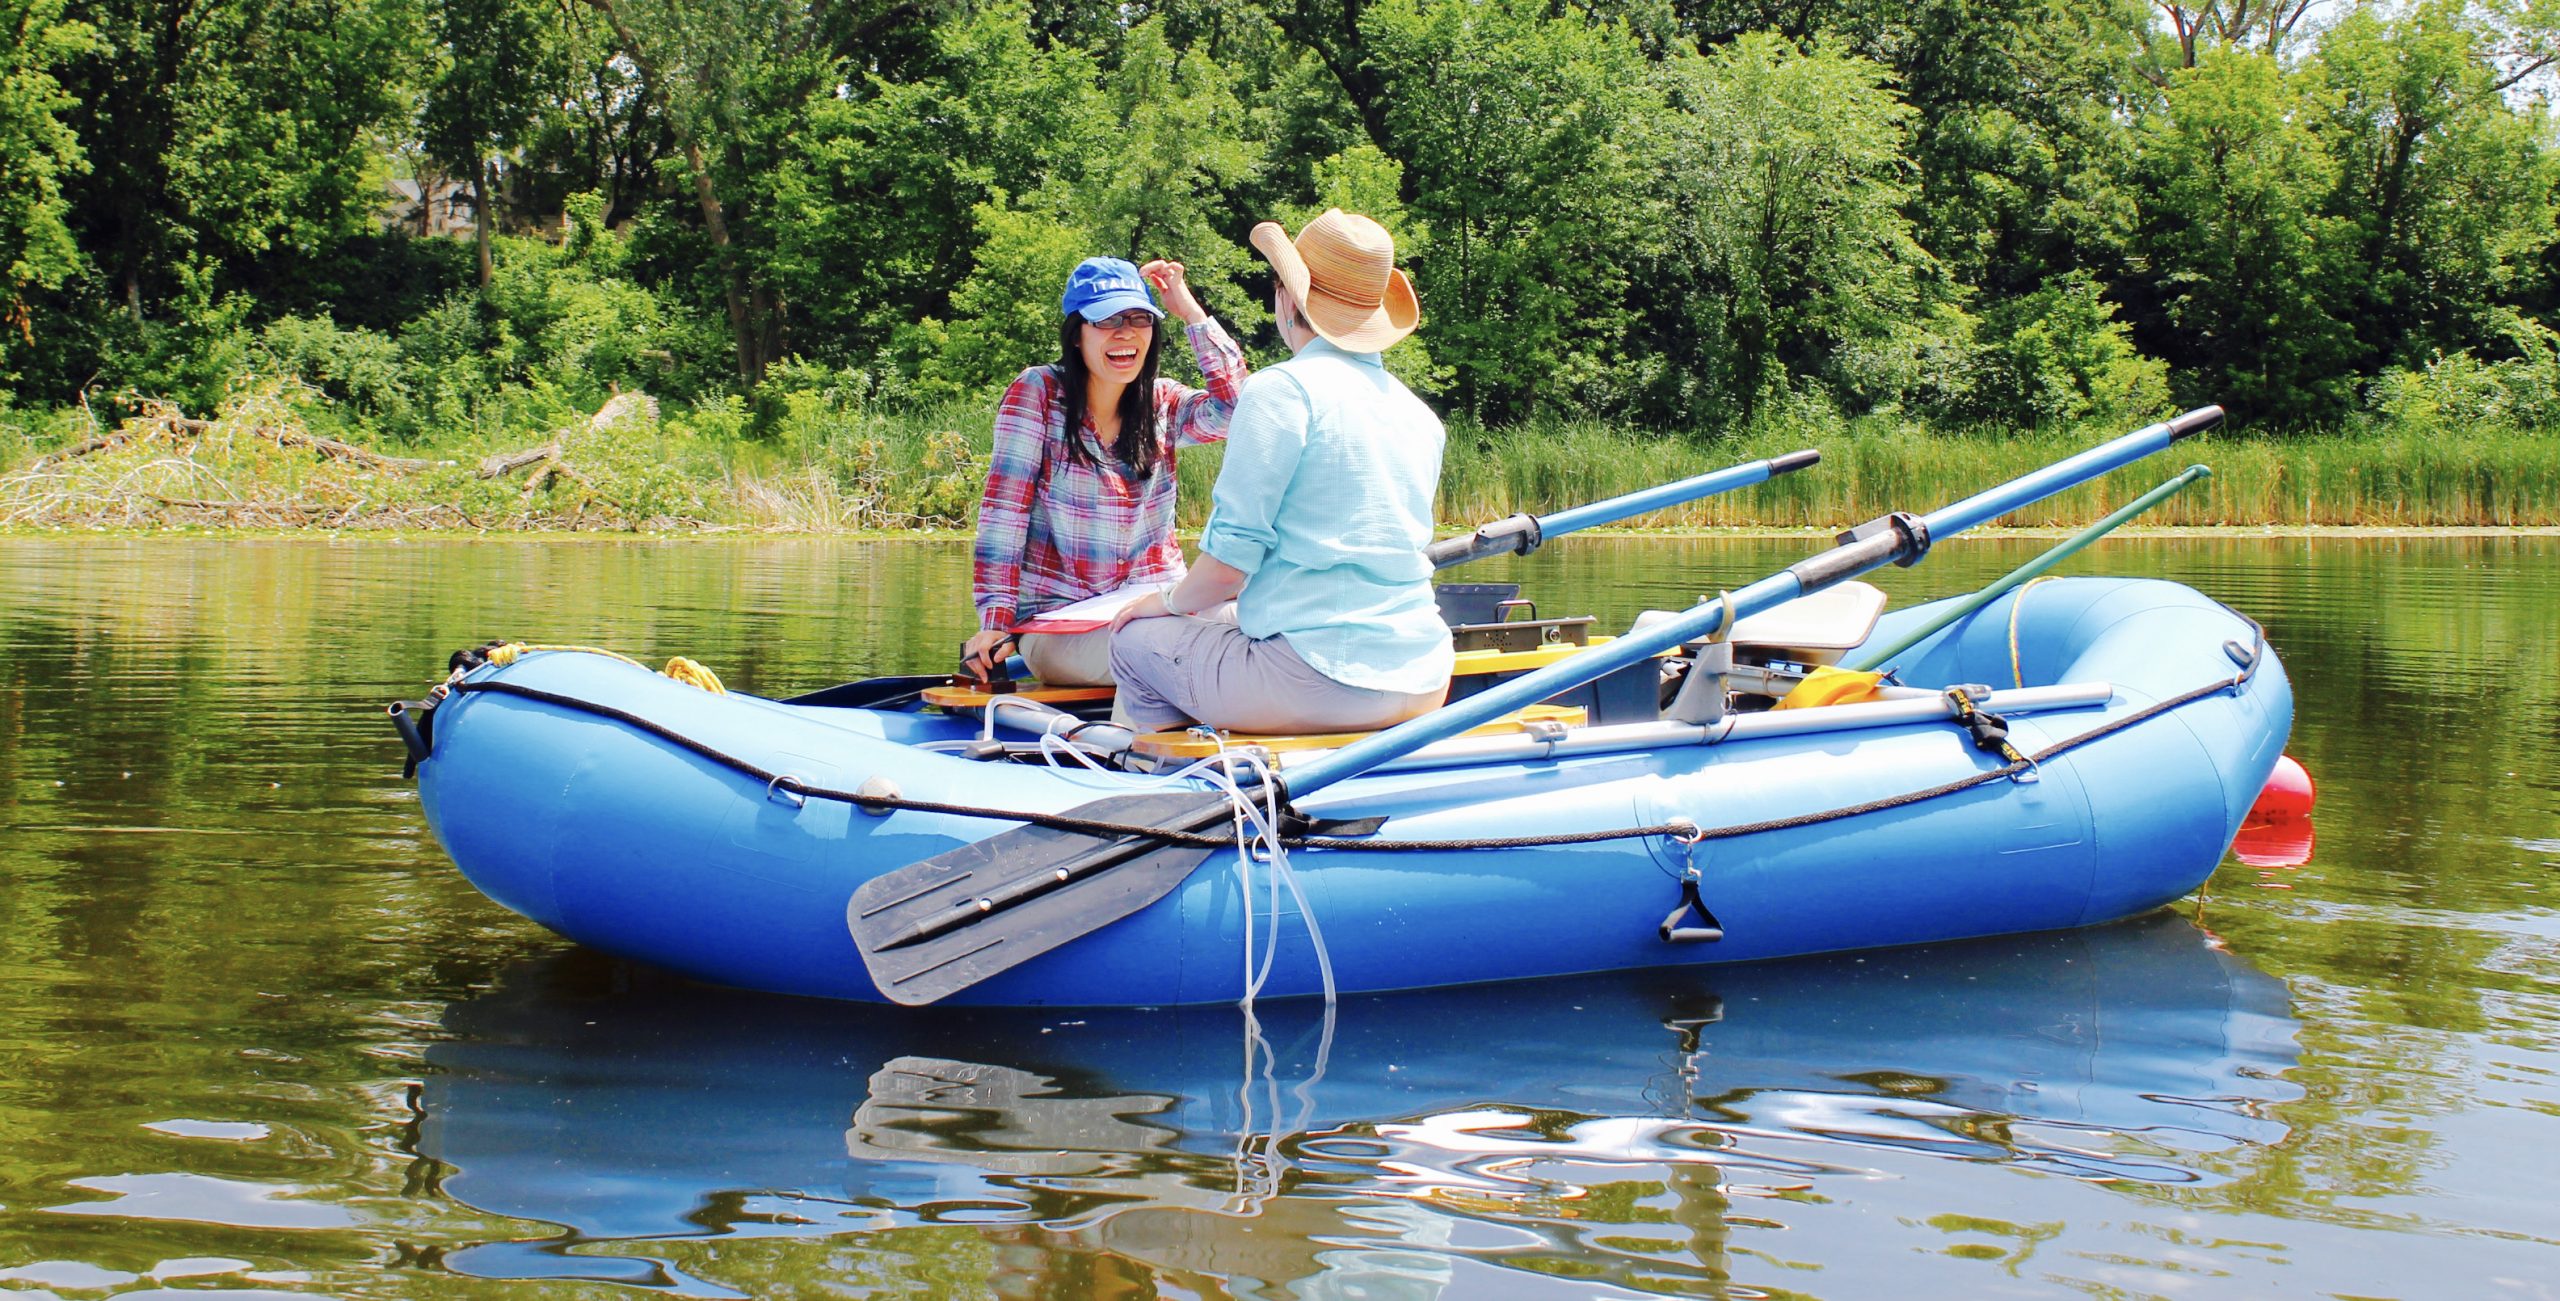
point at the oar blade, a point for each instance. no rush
(872, 693)
(924, 934)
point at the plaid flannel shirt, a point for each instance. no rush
(1052, 530)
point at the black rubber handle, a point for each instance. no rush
(1779, 465)
(2194, 422)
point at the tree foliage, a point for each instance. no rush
(38, 150)
(1678, 212)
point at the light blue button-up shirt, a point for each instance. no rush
(1324, 502)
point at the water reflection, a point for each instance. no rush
(2274, 844)
(1631, 1123)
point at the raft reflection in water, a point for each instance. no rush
(623, 1105)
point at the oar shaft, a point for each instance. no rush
(1879, 658)
(1522, 534)
(1950, 520)
(1673, 494)
(1890, 540)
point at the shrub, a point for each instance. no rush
(2059, 356)
(362, 371)
(2459, 389)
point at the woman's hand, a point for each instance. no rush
(980, 655)
(1176, 292)
(1150, 606)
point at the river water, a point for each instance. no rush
(257, 1035)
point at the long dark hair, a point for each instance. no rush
(1139, 449)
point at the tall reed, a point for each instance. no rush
(2389, 480)
(837, 468)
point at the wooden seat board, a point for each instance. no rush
(1186, 745)
(968, 700)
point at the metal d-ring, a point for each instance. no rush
(798, 800)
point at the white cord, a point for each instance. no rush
(1257, 824)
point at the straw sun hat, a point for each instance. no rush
(1342, 271)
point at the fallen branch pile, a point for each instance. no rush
(194, 481)
(549, 459)
(163, 421)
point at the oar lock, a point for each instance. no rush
(1911, 536)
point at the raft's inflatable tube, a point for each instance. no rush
(623, 840)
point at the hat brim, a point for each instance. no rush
(1111, 305)
(1352, 327)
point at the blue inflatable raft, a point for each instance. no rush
(726, 836)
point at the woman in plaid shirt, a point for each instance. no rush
(1072, 515)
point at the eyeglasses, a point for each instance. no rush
(1133, 319)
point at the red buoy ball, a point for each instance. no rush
(2287, 796)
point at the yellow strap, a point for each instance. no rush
(1827, 685)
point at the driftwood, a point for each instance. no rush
(318, 513)
(77, 450)
(549, 459)
(243, 507)
(48, 489)
(167, 423)
(503, 463)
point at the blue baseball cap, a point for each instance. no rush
(1103, 287)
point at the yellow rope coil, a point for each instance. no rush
(683, 670)
(2017, 670)
(693, 674)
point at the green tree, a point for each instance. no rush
(730, 81)
(1004, 314)
(877, 197)
(2444, 187)
(37, 151)
(501, 66)
(1142, 167)
(1527, 139)
(1788, 188)
(225, 131)
(232, 147)
(2017, 130)
(2242, 278)
(1175, 147)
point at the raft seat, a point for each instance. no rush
(970, 700)
(1625, 696)
(1187, 745)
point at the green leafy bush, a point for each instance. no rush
(2059, 356)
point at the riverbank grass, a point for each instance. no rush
(263, 462)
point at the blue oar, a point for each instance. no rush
(1882, 656)
(1521, 534)
(945, 923)
(1893, 539)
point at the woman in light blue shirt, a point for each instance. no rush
(1317, 525)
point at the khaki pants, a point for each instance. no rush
(1176, 670)
(1068, 659)
(1083, 659)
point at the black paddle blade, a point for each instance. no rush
(872, 693)
(934, 928)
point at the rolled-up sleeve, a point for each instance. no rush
(1201, 415)
(1265, 440)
